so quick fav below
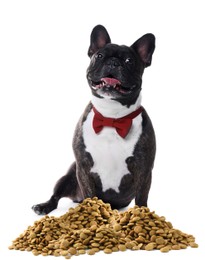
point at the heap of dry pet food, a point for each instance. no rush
(93, 226)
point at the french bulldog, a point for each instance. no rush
(114, 141)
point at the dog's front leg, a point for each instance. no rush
(142, 179)
(85, 180)
(142, 189)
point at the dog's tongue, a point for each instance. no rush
(111, 81)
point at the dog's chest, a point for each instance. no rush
(109, 151)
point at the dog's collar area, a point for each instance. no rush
(122, 125)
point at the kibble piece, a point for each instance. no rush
(182, 246)
(95, 245)
(160, 241)
(117, 227)
(160, 231)
(64, 252)
(93, 227)
(96, 249)
(176, 247)
(160, 246)
(35, 252)
(115, 249)
(99, 235)
(32, 235)
(44, 254)
(64, 244)
(135, 248)
(152, 224)
(138, 229)
(169, 224)
(83, 235)
(107, 251)
(72, 251)
(193, 245)
(128, 245)
(81, 251)
(86, 241)
(165, 249)
(91, 252)
(56, 253)
(140, 239)
(122, 247)
(153, 238)
(150, 246)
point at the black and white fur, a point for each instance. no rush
(115, 169)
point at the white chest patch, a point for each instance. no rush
(109, 151)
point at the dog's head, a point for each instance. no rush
(115, 72)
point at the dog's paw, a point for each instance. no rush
(43, 208)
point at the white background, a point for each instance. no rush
(43, 91)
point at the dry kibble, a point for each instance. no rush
(107, 251)
(117, 227)
(91, 252)
(35, 252)
(83, 235)
(183, 246)
(64, 252)
(95, 245)
(140, 239)
(81, 251)
(138, 229)
(176, 247)
(150, 246)
(122, 248)
(135, 248)
(93, 226)
(72, 251)
(193, 244)
(128, 245)
(165, 249)
(64, 244)
(159, 231)
(160, 241)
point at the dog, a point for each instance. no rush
(114, 141)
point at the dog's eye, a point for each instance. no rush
(129, 61)
(99, 55)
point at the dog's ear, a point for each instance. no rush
(98, 39)
(145, 46)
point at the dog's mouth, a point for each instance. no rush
(109, 84)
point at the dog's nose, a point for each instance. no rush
(113, 63)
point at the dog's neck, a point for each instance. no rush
(112, 108)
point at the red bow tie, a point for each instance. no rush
(122, 125)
